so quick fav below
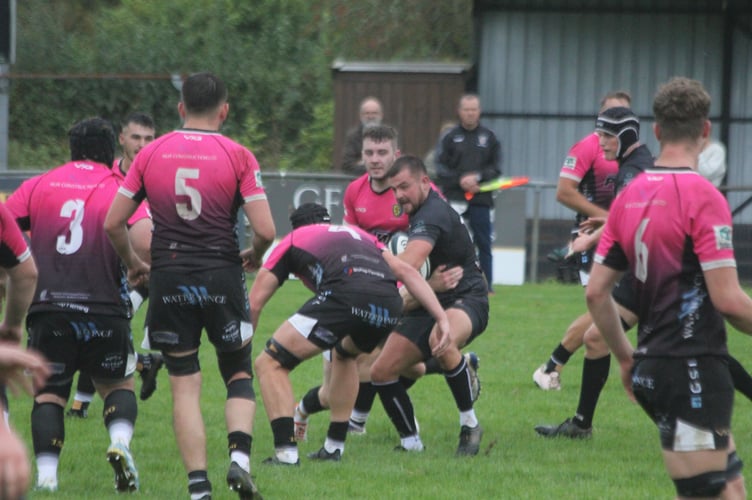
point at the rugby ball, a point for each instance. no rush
(398, 243)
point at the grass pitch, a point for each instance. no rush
(622, 460)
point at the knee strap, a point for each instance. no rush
(182, 365)
(233, 362)
(284, 357)
(708, 484)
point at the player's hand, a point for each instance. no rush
(251, 263)
(22, 370)
(469, 183)
(443, 338)
(583, 243)
(626, 377)
(591, 224)
(443, 279)
(138, 273)
(15, 468)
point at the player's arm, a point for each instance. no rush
(115, 225)
(264, 286)
(729, 298)
(20, 286)
(140, 235)
(421, 291)
(568, 195)
(260, 218)
(605, 314)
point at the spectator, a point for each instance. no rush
(371, 113)
(468, 155)
(712, 161)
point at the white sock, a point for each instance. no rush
(412, 443)
(359, 416)
(331, 446)
(84, 397)
(47, 467)
(468, 418)
(288, 455)
(240, 458)
(121, 431)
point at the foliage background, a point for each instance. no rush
(275, 56)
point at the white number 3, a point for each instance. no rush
(70, 242)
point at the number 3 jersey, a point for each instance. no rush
(65, 210)
(667, 227)
(195, 182)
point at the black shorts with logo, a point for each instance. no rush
(689, 399)
(181, 305)
(416, 325)
(99, 345)
(325, 319)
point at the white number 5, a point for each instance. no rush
(188, 211)
(641, 253)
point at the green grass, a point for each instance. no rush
(622, 460)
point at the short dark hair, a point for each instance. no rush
(92, 139)
(203, 92)
(381, 133)
(412, 163)
(617, 94)
(138, 118)
(681, 108)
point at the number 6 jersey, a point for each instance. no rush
(667, 227)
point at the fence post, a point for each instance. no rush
(535, 237)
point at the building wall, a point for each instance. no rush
(417, 99)
(541, 74)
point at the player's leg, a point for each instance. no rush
(315, 400)
(287, 348)
(548, 375)
(467, 319)
(114, 383)
(400, 351)
(366, 392)
(47, 419)
(83, 397)
(342, 394)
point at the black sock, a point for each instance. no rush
(198, 483)
(239, 441)
(120, 404)
(594, 376)
(398, 406)
(4, 398)
(366, 395)
(459, 383)
(432, 366)
(47, 428)
(407, 382)
(740, 376)
(560, 356)
(338, 431)
(84, 384)
(311, 401)
(283, 429)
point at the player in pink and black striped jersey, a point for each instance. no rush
(196, 180)
(673, 230)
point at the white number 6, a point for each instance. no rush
(641, 252)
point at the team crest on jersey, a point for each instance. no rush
(723, 237)
(257, 175)
(570, 162)
(397, 210)
(482, 140)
